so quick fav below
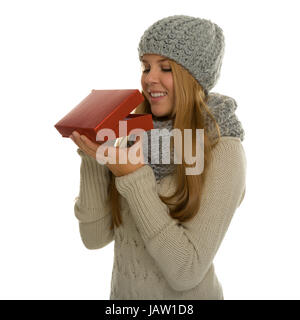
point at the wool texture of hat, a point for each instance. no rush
(194, 43)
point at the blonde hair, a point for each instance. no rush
(189, 112)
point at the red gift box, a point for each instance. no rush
(103, 109)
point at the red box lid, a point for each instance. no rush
(103, 109)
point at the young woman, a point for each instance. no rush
(167, 226)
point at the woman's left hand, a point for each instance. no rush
(118, 169)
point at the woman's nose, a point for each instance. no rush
(152, 76)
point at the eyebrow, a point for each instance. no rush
(143, 60)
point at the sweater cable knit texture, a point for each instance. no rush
(156, 256)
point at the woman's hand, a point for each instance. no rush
(85, 144)
(118, 169)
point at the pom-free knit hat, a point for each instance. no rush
(194, 43)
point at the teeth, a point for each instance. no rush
(157, 94)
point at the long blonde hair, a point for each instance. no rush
(189, 112)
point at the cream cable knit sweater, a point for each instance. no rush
(155, 256)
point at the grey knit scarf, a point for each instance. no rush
(222, 108)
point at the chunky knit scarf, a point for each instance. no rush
(222, 108)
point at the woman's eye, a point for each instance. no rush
(164, 70)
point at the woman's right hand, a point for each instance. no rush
(85, 144)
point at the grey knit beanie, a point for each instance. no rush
(196, 44)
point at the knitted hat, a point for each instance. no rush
(194, 43)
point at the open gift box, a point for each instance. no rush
(103, 109)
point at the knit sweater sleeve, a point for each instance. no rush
(92, 207)
(185, 251)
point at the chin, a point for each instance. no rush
(159, 113)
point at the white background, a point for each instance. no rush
(54, 52)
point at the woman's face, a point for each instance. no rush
(157, 78)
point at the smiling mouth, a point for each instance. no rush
(157, 98)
